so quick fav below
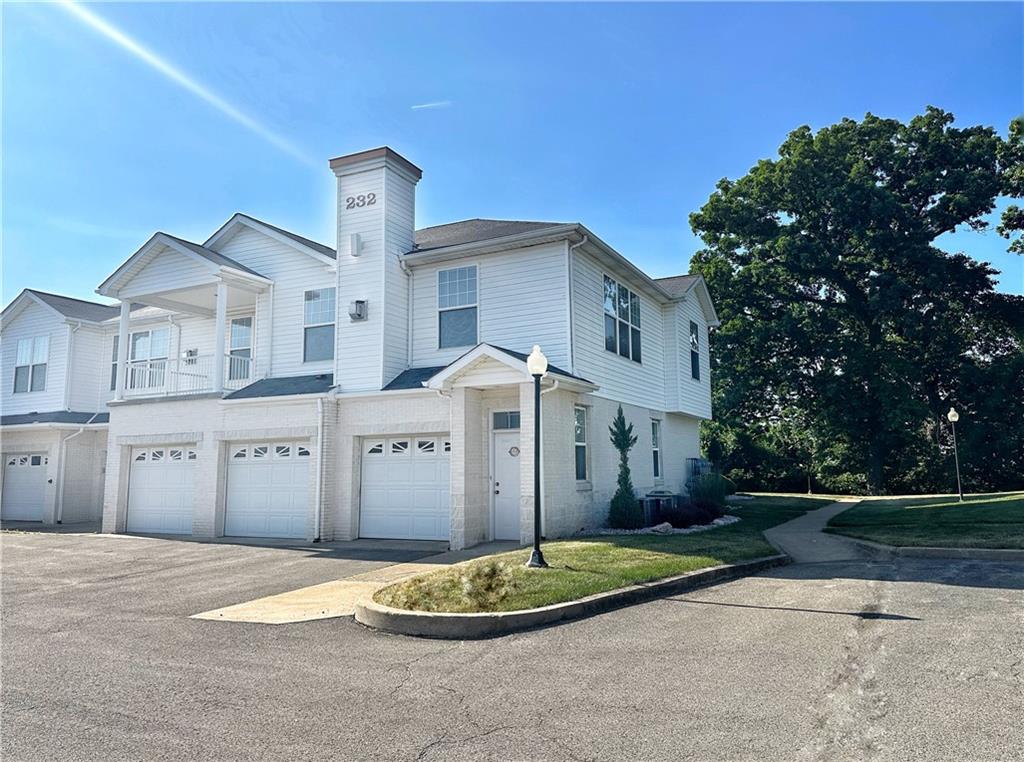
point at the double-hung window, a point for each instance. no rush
(240, 354)
(580, 441)
(694, 351)
(621, 320)
(656, 446)
(318, 325)
(30, 365)
(456, 307)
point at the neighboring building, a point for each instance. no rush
(272, 387)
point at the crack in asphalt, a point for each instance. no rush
(446, 740)
(849, 715)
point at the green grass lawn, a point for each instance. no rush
(981, 521)
(595, 564)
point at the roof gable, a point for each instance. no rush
(304, 245)
(191, 264)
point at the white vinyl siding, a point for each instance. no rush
(164, 266)
(694, 395)
(620, 378)
(399, 204)
(521, 301)
(293, 273)
(89, 390)
(33, 321)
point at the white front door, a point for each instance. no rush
(161, 490)
(268, 490)
(506, 485)
(405, 491)
(24, 487)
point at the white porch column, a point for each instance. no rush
(122, 350)
(218, 342)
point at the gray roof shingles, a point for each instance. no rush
(55, 416)
(413, 378)
(677, 285)
(285, 387)
(77, 309)
(470, 231)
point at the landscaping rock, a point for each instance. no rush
(724, 521)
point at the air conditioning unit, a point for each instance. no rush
(357, 310)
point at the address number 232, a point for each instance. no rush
(358, 202)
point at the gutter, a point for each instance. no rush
(276, 398)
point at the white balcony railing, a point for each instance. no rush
(188, 375)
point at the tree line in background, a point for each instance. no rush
(847, 331)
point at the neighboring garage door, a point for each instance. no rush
(24, 487)
(405, 493)
(268, 490)
(161, 490)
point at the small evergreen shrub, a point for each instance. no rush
(708, 492)
(625, 511)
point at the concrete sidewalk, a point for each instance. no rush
(804, 541)
(339, 597)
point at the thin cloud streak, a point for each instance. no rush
(168, 70)
(431, 104)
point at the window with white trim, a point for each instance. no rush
(621, 320)
(457, 307)
(318, 325)
(240, 351)
(30, 365)
(656, 446)
(694, 351)
(580, 442)
(147, 356)
(506, 419)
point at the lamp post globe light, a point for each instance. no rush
(952, 416)
(537, 366)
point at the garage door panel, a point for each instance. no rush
(269, 495)
(404, 492)
(24, 487)
(161, 492)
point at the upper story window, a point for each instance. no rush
(580, 442)
(656, 446)
(694, 351)
(240, 353)
(621, 320)
(30, 365)
(456, 307)
(318, 325)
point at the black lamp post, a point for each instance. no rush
(953, 417)
(537, 365)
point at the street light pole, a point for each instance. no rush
(537, 365)
(953, 417)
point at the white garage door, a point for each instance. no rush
(405, 493)
(24, 487)
(161, 490)
(268, 490)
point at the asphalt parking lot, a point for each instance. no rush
(904, 660)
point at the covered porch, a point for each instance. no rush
(202, 336)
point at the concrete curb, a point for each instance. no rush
(451, 626)
(911, 551)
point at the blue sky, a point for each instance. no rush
(621, 117)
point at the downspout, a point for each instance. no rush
(572, 343)
(319, 467)
(61, 467)
(67, 363)
(408, 310)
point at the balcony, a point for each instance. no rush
(188, 375)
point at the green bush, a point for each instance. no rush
(709, 491)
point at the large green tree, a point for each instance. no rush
(847, 331)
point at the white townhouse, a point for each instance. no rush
(261, 384)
